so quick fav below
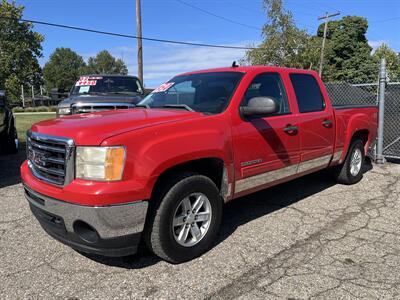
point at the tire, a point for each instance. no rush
(166, 239)
(10, 145)
(344, 173)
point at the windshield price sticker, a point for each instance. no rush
(164, 87)
(84, 81)
(84, 89)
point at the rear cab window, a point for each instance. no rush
(308, 94)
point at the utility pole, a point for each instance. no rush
(326, 18)
(380, 159)
(22, 96)
(139, 40)
(33, 96)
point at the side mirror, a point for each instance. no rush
(260, 106)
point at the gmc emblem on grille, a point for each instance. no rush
(37, 158)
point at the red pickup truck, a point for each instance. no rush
(161, 172)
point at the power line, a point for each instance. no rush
(130, 36)
(386, 20)
(217, 16)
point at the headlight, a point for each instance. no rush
(64, 111)
(100, 163)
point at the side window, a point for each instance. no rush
(268, 85)
(308, 93)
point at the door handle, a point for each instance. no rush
(290, 129)
(327, 123)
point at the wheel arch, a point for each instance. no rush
(211, 167)
(361, 134)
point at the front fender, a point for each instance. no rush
(152, 151)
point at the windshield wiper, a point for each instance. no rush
(184, 106)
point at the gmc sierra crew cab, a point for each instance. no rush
(161, 172)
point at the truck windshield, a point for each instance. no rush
(123, 85)
(202, 92)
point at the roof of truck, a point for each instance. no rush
(246, 69)
(107, 75)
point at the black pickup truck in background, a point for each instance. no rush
(102, 92)
(8, 133)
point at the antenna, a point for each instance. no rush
(234, 64)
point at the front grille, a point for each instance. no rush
(81, 108)
(50, 159)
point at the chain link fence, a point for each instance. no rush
(342, 93)
(391, 129)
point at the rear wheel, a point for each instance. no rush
(351, 171)
(185, 221)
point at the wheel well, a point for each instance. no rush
(211, 167)
(362, 135)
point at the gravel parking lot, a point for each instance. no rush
(309, 238)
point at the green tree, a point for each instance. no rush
(62, 69)
(284, 44)
(392, 61)
(348, 55)
(105, 63)
(20, 48)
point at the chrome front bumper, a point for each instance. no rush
(117, 228)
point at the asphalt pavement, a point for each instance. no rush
(309, 238)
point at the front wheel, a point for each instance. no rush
(185, 221)
(351, 171)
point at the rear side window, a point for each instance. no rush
(308, 94)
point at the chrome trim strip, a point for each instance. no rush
(50, 138)
(109, 221)
(322, 161)
(264, 178)
(337, 155)
(271, 176)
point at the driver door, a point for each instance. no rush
(267, 149)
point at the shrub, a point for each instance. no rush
(42, 109)
(30, 109)
(52, 108)
(18, 109)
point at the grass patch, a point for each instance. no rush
(24, 122)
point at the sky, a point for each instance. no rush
(170, 19)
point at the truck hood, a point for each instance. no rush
(93, 128)
(134, 99)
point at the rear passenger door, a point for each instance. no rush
(317, 128)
